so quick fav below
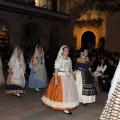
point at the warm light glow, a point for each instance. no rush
(80, 31)
(98, 32)
(3, 37)
(40, 3)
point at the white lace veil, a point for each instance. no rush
(14, 57)
(36, 51)
(36, 54)
(61, 51)
(115, 79)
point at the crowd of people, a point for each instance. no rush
(85, 72)
(96, 59)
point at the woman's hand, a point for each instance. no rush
(56, 75)
(56, 82)
(11, 72)
(74, 76)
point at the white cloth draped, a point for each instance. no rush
(17, 66)
(114, 82)
(37, 64)
(69, 94)
(83, 98)
(34, 60)
(100, 69)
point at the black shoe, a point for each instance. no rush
(84, 104)
(102, 90)
(70, 113)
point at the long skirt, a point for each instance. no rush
(62, 96)
(40, 82)
(111, 110)
(2, 81)
(13, 88)
(89, 97)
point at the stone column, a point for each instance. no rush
(67, 6)
(37, 3)
(58, 5)
(49, 4)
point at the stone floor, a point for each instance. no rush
(29, 107)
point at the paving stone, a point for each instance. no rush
(30, 107)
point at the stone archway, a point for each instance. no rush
(78, 32)
(88, 40)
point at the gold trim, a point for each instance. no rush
(15, 91)
(54, 108)
(80, 60)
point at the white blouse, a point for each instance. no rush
(64, 66)
(101, 68)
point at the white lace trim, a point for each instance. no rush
(59, 104)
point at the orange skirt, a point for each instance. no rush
(53, 96)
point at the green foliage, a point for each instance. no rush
(96, 22)
(82, 6)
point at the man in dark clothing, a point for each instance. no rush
(105, 79)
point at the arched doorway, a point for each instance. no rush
(88, 40)
(4, 39)
(30, 35)
(54, 38)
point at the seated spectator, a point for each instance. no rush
(105, 79)
(99, 72)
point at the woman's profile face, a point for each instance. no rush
(102, 61)
(65, 51)
(85, 52)
(19, 51)
(40, 50)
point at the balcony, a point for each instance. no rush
(31, 10)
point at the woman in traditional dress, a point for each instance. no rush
(61, 93)
(16, 80)
(38, 75)
(111, 110)
(84, 80)
(2, 81)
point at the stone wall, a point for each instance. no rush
(113, 32)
